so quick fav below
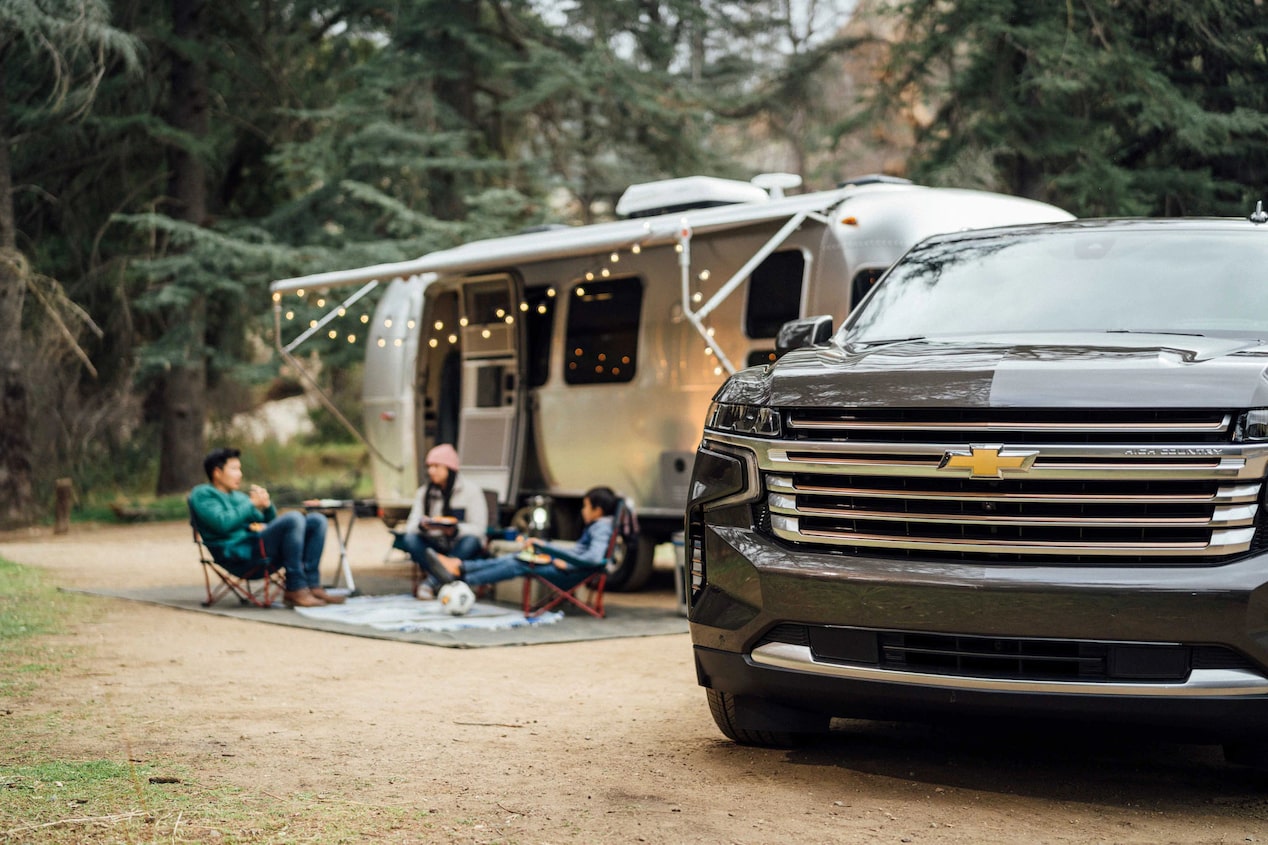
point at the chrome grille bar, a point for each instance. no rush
(848, 423)
(1222, 542)
(1227, 494)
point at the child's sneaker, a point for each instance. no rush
(424, 593)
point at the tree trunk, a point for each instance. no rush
(185, 387)
(16, 495)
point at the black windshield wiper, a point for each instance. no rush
(1154, 331)
(886, 342)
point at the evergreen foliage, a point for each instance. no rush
(1106, 107)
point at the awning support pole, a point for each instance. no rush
(696, 317)
(285, 352)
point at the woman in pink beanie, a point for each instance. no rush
(448, 516)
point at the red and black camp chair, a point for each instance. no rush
(261, 585)
(582, 589)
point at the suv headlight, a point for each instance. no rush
(1252, 427)
(757, 420)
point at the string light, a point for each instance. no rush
(433, 343)
(463, 322)
(636, 249)
(277, 297)
(382, 343)
(387, 324)
(704, 275)
(453, 338)
(332, 334)
(312, 324)
(615, 257)
(365, 318)
(410, 325)
(352, 338)
(300, 293)
(550, 291)
(290, 315)
(321, 302)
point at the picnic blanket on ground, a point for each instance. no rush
(407, 614)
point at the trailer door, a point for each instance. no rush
(490, 433)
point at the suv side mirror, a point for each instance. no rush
(797, 334)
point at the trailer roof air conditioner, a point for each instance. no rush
(670, 195)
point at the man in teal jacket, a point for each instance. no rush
(233, 524)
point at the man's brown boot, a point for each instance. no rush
(301, 598)
(328, 598)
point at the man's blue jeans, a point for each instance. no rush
(295, 540)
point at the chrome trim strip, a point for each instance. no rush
(1201, 682)
(995, 426)
(1222, 517)
(1227, 494)
(1223, 542)
(1113, 468)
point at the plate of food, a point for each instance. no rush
(530, 556)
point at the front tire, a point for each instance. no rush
(730, 713)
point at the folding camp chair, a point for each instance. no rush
(417, 575)
(583, 590)
(271, 582)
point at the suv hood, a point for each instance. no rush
(1085, 370)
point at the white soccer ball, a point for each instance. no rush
(456, 598)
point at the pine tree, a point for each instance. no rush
(52, 55)
(1104, 107)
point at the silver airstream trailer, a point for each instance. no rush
(560, 359)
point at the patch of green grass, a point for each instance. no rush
(48, 799)
(29, 608)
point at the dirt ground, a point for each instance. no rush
(607, 741)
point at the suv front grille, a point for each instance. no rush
(1018, 485)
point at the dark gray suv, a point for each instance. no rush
(1025, 477)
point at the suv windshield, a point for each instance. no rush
(1113, 279)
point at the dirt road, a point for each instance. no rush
(606, 741)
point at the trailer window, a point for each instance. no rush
(539, 318)
(603, 331)
(774, 293)
(863, 282)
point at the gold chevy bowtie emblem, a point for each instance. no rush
(988, 461)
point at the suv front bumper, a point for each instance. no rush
(755, 585)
